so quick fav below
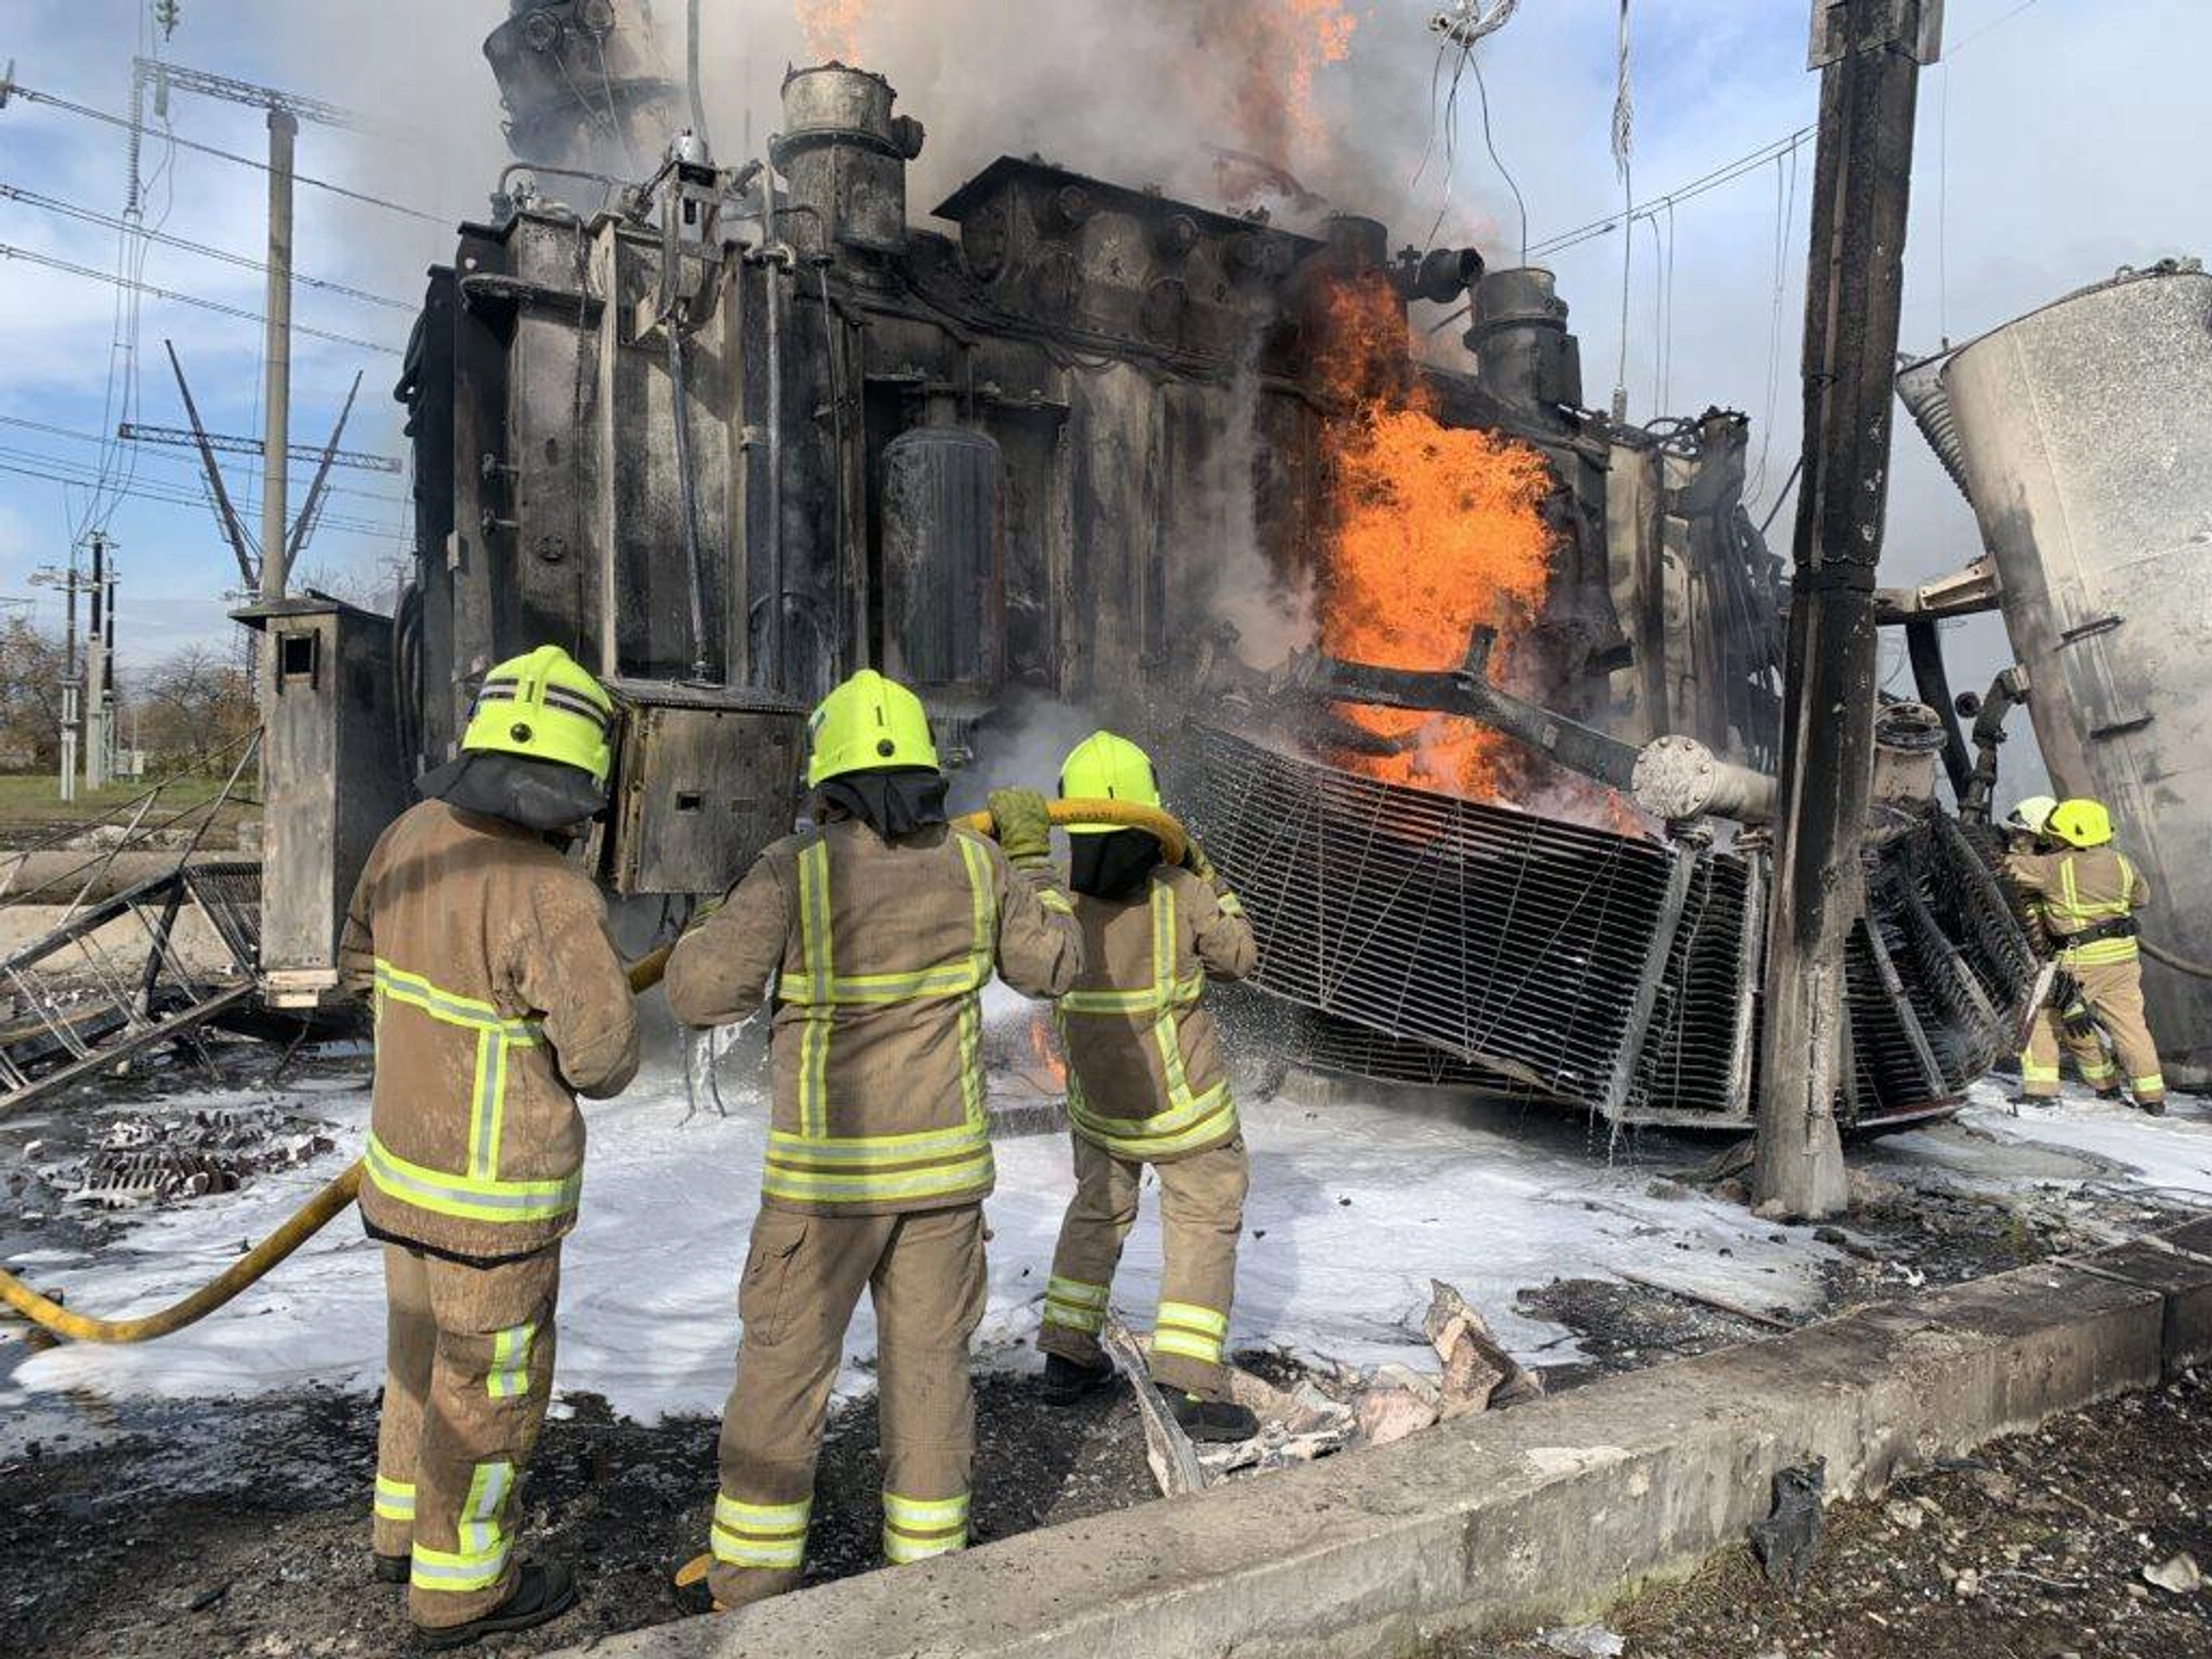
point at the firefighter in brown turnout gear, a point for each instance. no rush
(875, 933)
(498, 999)
(1146, 1086)
(2085, 893)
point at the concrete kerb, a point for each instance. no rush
(1545, 1512)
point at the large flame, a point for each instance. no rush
(832, 28)
(1434, 532)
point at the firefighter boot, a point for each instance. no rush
(544, 1591)
(1066, 1381)
(1221, 1421)
(392, 1569)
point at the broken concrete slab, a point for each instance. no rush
(1541, 1513)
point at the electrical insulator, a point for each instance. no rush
(167, 14)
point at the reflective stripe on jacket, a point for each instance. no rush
(2073, 890)
(1145, 1075)
(877, 951)
(497, 996)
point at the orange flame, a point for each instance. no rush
(832, 28)
(1264, 57)
(1436, 531)
(1043, 1050)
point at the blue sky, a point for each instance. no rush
(2057, 143)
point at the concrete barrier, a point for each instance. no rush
(1545, 1512)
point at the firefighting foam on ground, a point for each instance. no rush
(1072, 865)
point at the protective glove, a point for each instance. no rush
(1195, 860)
(2074, 1012)
(1022, 823)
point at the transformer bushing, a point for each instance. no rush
(1524, 356)
(585, 85)
(844, 156)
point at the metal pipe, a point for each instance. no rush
(1923, 644)
(687, 490)
(277, 392)
(775, 258)
(691, 73)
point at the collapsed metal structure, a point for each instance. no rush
(1446, 941)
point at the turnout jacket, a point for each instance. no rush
(875, 951)
(2067, 891)
(498, 998)
(1145, 1074)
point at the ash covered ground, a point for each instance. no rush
(208, 1495)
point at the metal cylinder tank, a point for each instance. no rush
(844, 154)
(585, 83)
(944, 570)
(2086, 434)
(1523, 355)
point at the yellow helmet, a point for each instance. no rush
(544, 706)
(868, 724)
(2080, 823)
(1104, 767)
(2032, 814)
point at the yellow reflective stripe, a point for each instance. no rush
(915, 1528)
(880, 1149)
(1210, 1114)
(815, 952)
(482, 1556)
(2032, 1072)
(2153, 1084)
(2101, 954)
(759, 1535)
(471, 1013)
(1054, 900)
(395, 1499)
(1074, 1304)
(1088, 1320)
(1191, 1315)
(2075, 910)
(1186, 1344)
(1138, 1001)
(779, 1180)
(1079, 1292)
(1230, 905)
(470, 1197)
(2098, 1071)
(508, 1377)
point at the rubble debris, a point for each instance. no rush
(1787, 1541)
(1707, 1299)
(1175, 1463)
(2179, 1574)
(1585, 1641)
(1477, 1372)
(161, 1157)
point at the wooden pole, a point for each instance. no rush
(1869, 53)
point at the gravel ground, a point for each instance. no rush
(215, 1530)
(2038, 1548)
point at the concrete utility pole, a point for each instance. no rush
(99, 666)
(277, 392)
(71, 582)
(1869, 53)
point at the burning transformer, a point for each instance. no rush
(741, 431)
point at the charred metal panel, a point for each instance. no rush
(944, 565)
(335, 780)
(703, 781)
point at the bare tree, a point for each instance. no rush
(31, 666)
(194, 705)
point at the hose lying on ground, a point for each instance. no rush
(333, 1200)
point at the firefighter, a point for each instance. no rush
(498, 999)
(2085, 894)
(1146, 1086)
(876, 932)
(2024, 835)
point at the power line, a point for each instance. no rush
(9, 251)
(303, 451)
(30, 95)
(13, 460)
(243, 261)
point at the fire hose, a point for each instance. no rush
(334, 1199)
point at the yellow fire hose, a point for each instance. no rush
(332, 1201)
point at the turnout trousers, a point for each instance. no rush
(1201, 1213)
(803, 1276)
(2113, 993)
(469, 1372)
